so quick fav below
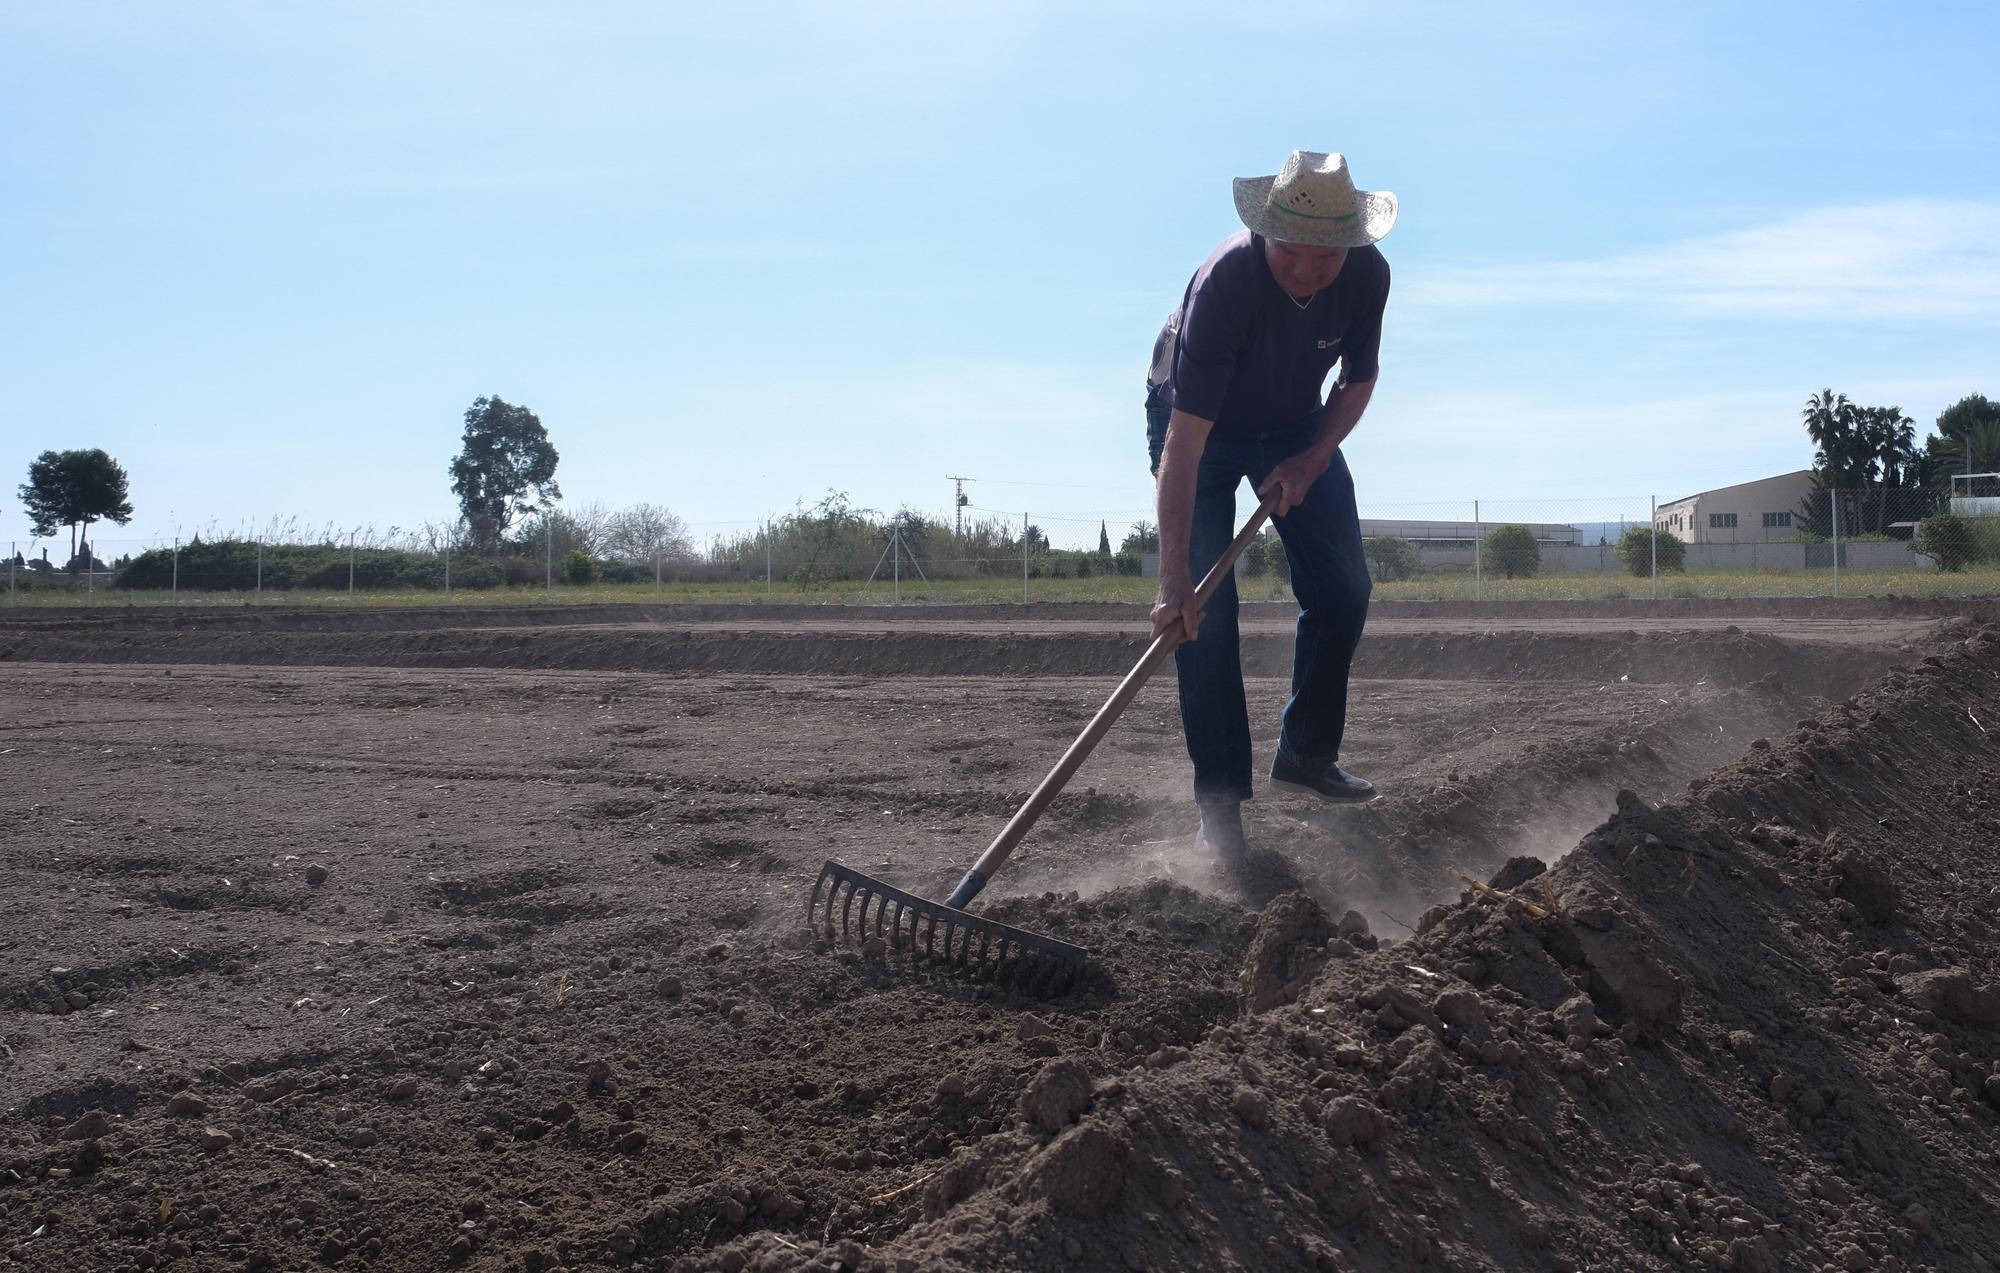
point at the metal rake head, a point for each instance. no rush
(846, 903)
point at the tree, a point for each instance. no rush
(1967, 441)
(639, 533)
(579, 566)
(1842, 452)
(1103, 539)
(1890, 438)
(1393, 558)
(1512, 551)
(74, 489)
(553, 531)
(1947, 541)
(1255, 562)
(1637, 549)
(507, 457)
(1968, 413)
(1144, 537)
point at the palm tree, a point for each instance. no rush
(1889, 439)
(1829, 419)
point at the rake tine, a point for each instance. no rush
(983, 949)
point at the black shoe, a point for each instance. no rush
(1329, 782)
(1221, 833)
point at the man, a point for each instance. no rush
(1234, 393)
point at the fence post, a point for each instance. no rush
(656, 572)
(1478, 576)
(1024, 559)
(175, 591)
(549, 552)
(1833, 498)
(260, 569)
(1653, 545)
(767, 558)
(447, 567)
(13, 551)
(896, 551)
(350, 565)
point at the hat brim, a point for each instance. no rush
(1372, 218)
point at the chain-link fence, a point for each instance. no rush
(1778, 538)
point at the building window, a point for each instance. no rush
(1722, 521)
(1777, 521)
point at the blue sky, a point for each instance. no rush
(267, 254)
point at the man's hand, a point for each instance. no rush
(1176, 606)
(1293, 478)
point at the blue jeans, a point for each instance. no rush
(1322, 538)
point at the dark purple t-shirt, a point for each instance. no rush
(1248, 358)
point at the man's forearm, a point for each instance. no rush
(1343, 411)
(1180, 460)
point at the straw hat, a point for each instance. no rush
(1312, 200)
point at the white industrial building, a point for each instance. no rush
(1762, 512)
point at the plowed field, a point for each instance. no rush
(381, 941)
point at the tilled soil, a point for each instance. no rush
(400, 967)
(1754, 1028)
(994, 641)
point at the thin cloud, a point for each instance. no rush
(1931, 259)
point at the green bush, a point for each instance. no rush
(1949, 540)
(230, 565)
(1256, 562)
(615, 571)
(1510, 551)
(1635, 549)
(1129, 565)
(478, 575)
(1397, 558)
(579, 566)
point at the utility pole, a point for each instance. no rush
(959, 501)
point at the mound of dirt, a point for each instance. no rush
(1754, 1029)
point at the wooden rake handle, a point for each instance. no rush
(1038, 801)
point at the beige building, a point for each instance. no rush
(1760, 512)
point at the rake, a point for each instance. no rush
(942, 933)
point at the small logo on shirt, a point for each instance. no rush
(1329, 344)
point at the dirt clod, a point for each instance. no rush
(1082, 1172)
(91, 1125)
(1286, 949)
(1349, 1120)
(1953, 995)
(1865, 882)
(186, 1105)
(1059, 1092)
(1515, 872)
